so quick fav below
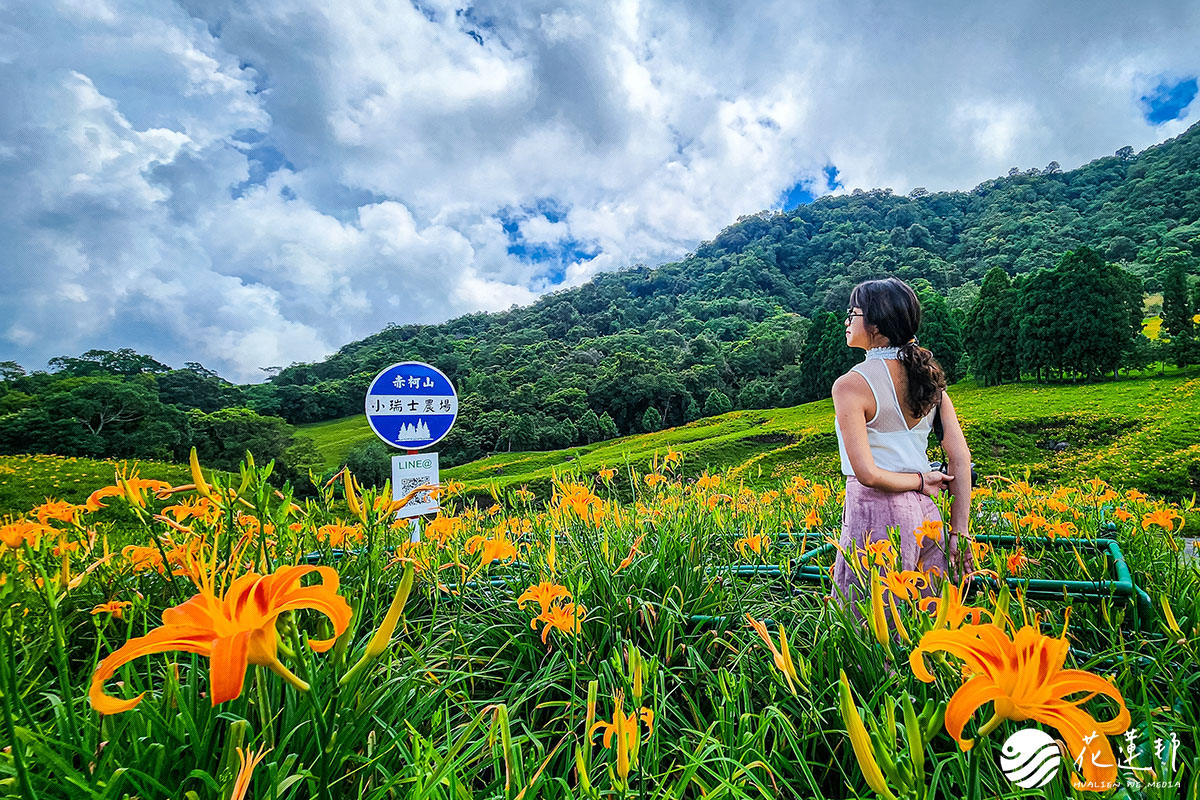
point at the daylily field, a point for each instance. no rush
(221, 639)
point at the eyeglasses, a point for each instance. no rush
(852, 314)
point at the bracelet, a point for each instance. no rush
(921, 489)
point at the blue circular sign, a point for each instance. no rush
(411, 405)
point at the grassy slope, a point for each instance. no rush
(1142, 432)
(27, 480)
(336, 438)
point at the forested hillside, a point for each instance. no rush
(727, 326)
(749, 320)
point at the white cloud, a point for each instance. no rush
(254, 184)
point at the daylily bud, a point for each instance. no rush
(198, 476)
(383, 635)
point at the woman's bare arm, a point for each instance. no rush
(958, 457)
(851, 394)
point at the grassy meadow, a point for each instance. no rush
(1134, 433)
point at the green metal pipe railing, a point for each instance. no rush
(802, 570)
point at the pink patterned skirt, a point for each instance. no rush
(867, 516)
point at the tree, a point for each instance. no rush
(370, 462)
(940, 332)
(692, 413)
(223, 437)
(10, 370)
(97, 417)
(589, 427)
(125, 362)
(833, 356)
(992, 329)
(188, 389)
(759, 393)
(716, 404)
(652, 420)
(1079, 316)
(608, 428)
(1176, 315)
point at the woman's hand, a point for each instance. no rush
(935, 481)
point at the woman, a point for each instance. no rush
(884, 410)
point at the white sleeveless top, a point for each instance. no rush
(894, 445)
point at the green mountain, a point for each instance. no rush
(726, 327)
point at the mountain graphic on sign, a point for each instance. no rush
(412, 433)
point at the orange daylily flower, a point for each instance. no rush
(707, 481)
(907, 584)
(930, 529)
(443, 529)
(654, 479)
(200, 508)
(114, 607)
(1017, 561)
(759, 544)
(812, 519)
(57, 510)
(580, 501)
(879, 553)
(1163, 518)
(494, 549)
(337, 534)
(16, 534)
(1033, 521)
(981, 550)
(606, 473)
(1056, 529)
(781, 655)
(232, 630)
(1024, 679)
(93, 502)
(1122, 515)
(544, 593)
(567, 618)
(1057, 506)
(949, 610)
(1134, 496)
(625, 729)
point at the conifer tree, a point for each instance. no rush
(716, 403)
(1177, 317)
(652, 420)
(991, 331)
(1079, 316)
(834, 356)
(939, 331)
(810, 357)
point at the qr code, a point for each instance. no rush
(406, 485)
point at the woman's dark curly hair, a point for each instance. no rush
(892, 308)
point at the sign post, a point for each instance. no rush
(412, 405)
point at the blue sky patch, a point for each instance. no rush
(263, 159)
(553, 258)
(806, 191)
(1168, 101)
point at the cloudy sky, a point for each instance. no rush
(252, 184)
